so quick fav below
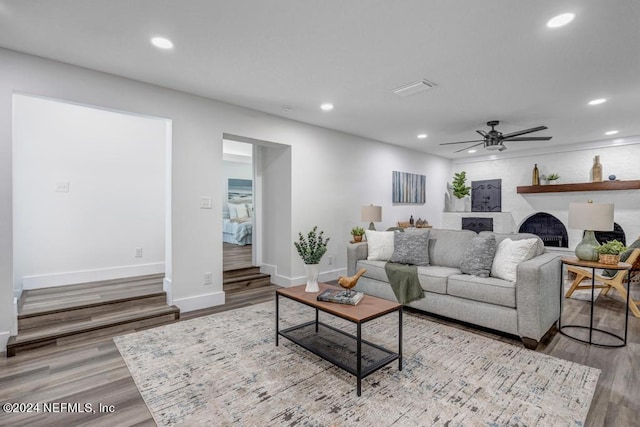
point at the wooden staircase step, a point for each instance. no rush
(240, 272)
(115, 322)
(249, 280)
(88, 311)
(50, 300)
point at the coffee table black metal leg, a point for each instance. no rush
(277, 318)
(316, 320)
(400, 338)
(359, 361)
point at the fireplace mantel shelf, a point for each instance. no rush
(588, 186)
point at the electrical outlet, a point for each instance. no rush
(138, 252)
(208, 278)
(62, 187)
(330, 259)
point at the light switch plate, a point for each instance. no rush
(62, 187)
(205, 202)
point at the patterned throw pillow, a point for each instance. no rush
(478, 256)
(411, 248)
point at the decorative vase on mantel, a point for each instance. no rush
(313, 271)
(596, 170)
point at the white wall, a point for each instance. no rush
(574, 166)
(329, 175)
(114, 166)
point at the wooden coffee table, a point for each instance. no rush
(351, 353)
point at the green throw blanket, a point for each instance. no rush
(404, 282)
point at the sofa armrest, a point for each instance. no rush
(538, 295)
(355, 252)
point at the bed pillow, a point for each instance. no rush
(510, 253)
(478, 257)
(411, 248)
(380, 245)
(242, 211)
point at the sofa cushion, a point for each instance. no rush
(380, 245)
(432, 279)
(446, 247)
(411, 248)
(478, 256)
(490, 289)
(510, 253)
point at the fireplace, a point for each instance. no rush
(477, 224)
(616, 234)
(549, 228)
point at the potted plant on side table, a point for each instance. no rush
(311, 248)
(609, 253)
(357, 233)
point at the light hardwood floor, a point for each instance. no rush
(94, 372)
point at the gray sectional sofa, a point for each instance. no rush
(527, 308)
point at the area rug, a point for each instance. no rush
(225, 369)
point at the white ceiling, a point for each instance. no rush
(491, 60)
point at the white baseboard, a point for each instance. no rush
(288, 282)
(4, 337)
(84, 276)
(199, 302)
(166, 287)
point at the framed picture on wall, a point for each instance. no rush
(239, 189)
(408, 188)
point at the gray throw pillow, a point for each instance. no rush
(411, 248)
(478, 256)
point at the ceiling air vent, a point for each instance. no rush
(413, 88)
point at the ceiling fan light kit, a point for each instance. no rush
(494, 140)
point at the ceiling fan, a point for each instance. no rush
(493, 140)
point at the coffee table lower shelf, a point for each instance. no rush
(340, 348)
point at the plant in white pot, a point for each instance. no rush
(460, 191)
(311, 248)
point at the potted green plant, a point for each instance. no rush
(357, 233)
(609, 252)
(460, 190)
(553, 178)
(311, 248)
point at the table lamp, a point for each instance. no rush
(590, 217)
(371, 214)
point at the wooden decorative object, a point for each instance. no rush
(350, 282)
(609, 259)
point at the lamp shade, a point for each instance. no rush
(371, 213)
(591, 216)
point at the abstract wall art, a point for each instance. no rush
(408, 188)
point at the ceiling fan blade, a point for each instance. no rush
(529, 138)
(522, 132)
(466, 148)
(462, 142)
(483, 133)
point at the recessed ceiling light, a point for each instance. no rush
(560, 20)
(597, 101)
(611, 132)
(472, 151)
(327, 106)
(422, 136)
(162, 42)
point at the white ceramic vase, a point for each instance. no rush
(312, 271)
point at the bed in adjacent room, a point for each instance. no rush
(237, 224)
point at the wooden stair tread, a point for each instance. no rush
(33, 303)
(245, 278)
(103, 320)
